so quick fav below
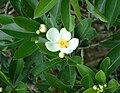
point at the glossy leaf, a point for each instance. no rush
(67, 19)
(25, 49)
(55, 82)
(37, 70)
(15, 70)
(68, 75)
(16, 31)
(84, 70)
(76, 7)
(26, 9)
(6, 19)
(111, 43)
(4, 36)
(32, 3)
(95, 12)
(112, 10)
(21, 88)
(44, 86)
(114, 56)
(73, 61)
(100, 77)
(16, 5)
(87, 81)
(83, 30)
(90, 90)
(43, 7)
(100, 5)
(92, 33)
(105, 64)
(55, 11)
(28, 24)
(113, 85)
(4, 79)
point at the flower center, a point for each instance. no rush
(62, 43)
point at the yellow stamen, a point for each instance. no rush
(62, 43)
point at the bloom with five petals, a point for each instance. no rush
(61, 41)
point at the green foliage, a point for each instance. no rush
(43, 7)
(113, 85)
(28, 66)
(100, 77)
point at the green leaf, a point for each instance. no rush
(4, 79)
(55, 82)
(17, 6)
(21, 88)
(44, 66)
(100, 77)
(105, 64)
(28, 24)
(90, 90)
(15, 70)
(68, 75)
(114, 56)
(116, 36)
(44, 86)
(6, 19)
(76, 8)
(53, 21)
(91, 34)
(32, 3)
(95, 12)
(73, 61)
(4, 36)
(43, 7)
(25, 49)
(111, 43)
(67, 18)
(84, 70)
(82, 31)
(100, 5)
(26, 9)
(113, 85)
(112, 10)
(55, 11)
(16, 31)
(87, 81)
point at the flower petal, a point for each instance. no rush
(53, 34)
(65, 34)
(66, 50)
(53, 47)
(73, 43)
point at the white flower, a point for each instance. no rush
(61, 41)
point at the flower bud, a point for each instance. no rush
(38, 32)
(95, 87)
(105, 85)
(42, 28)
(1, 89)
(100, 86)
(101, 90)
(61, 55)
(36, 41)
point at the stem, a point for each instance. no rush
(82, 55)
